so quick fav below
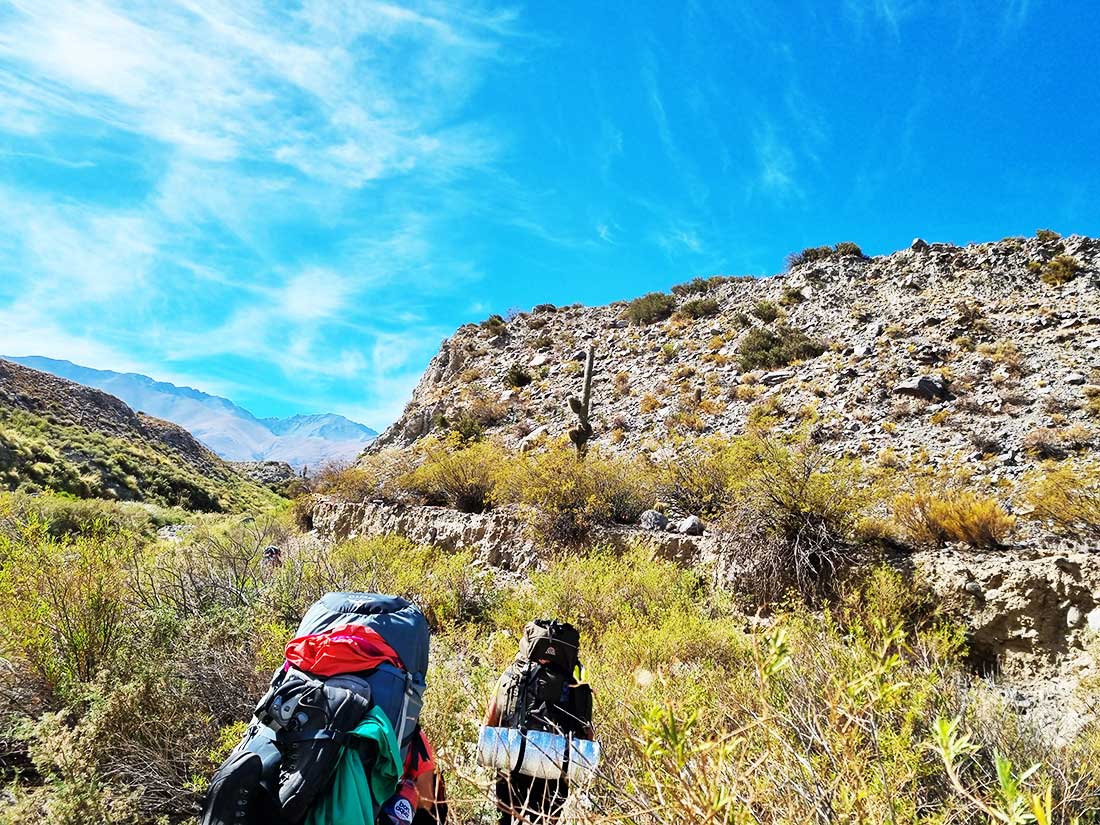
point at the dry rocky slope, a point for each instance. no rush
(1001, 352)
(936, 355)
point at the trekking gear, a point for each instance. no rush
(359, 788)
(355, 656)
(544, 712)
(538, 691)
(556, 642)
(537, 754)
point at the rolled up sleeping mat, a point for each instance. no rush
(584, 759)
(499, 748)
(537, 754)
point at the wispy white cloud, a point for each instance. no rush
(890, 14)
(251, 122)
(776, 162)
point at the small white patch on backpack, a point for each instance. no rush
(403, 809)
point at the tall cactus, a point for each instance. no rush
(580, 434)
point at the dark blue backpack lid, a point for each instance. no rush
(396, 620)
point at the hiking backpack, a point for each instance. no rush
(538, 691)
(299, 728)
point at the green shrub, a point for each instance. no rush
(812, 254)
(696, 286)
(766, 311)
(702, 479)
(494, 325)
(775, 348)
(791, 296)
(462, 477)
(700, 308)
(374, 475)
(1047, 235)
(793, 522)
(61, 609)
(566, 498)
(651, 308)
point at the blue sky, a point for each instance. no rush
(293, 204)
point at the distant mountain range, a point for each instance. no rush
(231, 431)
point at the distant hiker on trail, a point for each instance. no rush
(541, 696)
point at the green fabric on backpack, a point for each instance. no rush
(356, 794)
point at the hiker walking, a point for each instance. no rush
(542, 690)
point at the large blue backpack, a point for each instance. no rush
(290, 751)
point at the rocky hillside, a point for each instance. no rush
(61, 435)
(988, 354)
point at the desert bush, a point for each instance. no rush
(456, 474)
(701, 480)
(766, 311)
(494, 325)
(933, 518)
(374, 475)
(469, 422)
(791, 296)
(61, 610)
(696, 286)
(774, 348)
(218, 565)
(651, 308)
(1047, 235)
(565, 498)
(1066, 498)
(1059, 270)
(793, 520)
(1057, 443)
(517, 376)
(809, 255)
(845, 248)
(812, 254)
(700, 308)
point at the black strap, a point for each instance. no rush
(522, 748)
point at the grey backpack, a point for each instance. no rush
(299, 728)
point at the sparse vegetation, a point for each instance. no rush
(933, 518)
(39, 453)
(517, 377)
(651, 308)
(700, 308)
(1060, 270)
(774, 348)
